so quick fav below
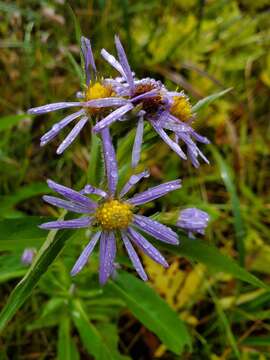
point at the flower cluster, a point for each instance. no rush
(110, 100)
(113, 215)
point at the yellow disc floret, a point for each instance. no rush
(113, 215)
(181, 108)
(97, 91)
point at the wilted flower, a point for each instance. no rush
(193, 221)
(95, 101)
(164, 110)
(113, 214)
(28, 256)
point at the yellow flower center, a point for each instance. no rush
(113, 215)
(181, 108)
(97, 91)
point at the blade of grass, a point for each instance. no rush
(239, 226)
(224, 323)
(48, 252)
(210, 256)
(201, 104)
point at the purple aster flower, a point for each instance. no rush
(164, 110)
(109, 100)
(193, 221)
(97, 100)
(28, 256)
(113, 214)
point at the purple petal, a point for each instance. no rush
(134, 179)
(80, 95)
(176, 93)
(105, 102)
(89, 189)
(112, 117)
(156, 229)
(162, 118)
(146, 247)
(136, 151)
(87, 251)
(107, 256)
(72, 195)
(88, 58)
(52, 107)
(155, 192)
(72, 135)
(146, 95)
(202, 156)
(68, 205)
(110, 161)
(193, 220)
(124, 62)
(68, 224)
(200, 138)
(28, 256)
(174, 124)
(193, 150)
(174, 146)
(178, 127)
(112, 61)
(134, 257)
(51, 134)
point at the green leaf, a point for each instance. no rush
(76, 23)
(239, 226)
(51, 314)
(25, 192)
(210, 256)
(201, 104)
(74, 352)
(53, 305)
(152, 311)
(92, 340)
(43, 323)
(64, 346)
(95, 168)
(48, 252)
(77, 69)
(225, 324)
(109, 333)
(7, 122)
(21, 233)
(257, 341)
(11, 267)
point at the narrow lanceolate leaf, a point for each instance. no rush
(152, 311)
(11, 267)
(7, 122)
(257, 341)
(110, 335)
(64, 340)
(96, 167)
(208, 100)
(239, 226)
(21, 233)
(48, 252)
(225, 324)
(23, 193)
(91, 338)
(210, 256)
(66, 347)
